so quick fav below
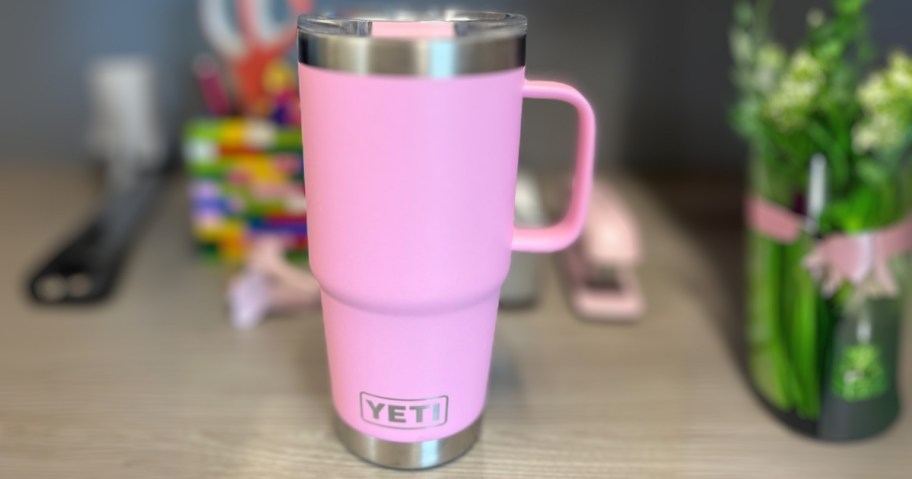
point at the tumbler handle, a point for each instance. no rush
(562, 234)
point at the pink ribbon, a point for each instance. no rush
(838, 258)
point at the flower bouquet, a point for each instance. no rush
(829, 218)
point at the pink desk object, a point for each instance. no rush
(600, 266)
(269, 284)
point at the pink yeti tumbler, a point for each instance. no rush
(411, 131)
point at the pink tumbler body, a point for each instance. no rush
(410, 184)
(411, 130)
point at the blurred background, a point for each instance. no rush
(657, 71)
(664, 243)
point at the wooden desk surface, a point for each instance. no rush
(155, 384)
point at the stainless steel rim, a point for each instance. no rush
(356, 51)
(408, 455)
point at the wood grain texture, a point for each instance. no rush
(155, 384)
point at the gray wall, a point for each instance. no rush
(45, 46)
(657, 70)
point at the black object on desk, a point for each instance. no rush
(86, 269)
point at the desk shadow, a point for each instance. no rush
(709, 209)
(504, 380)
(311, 358)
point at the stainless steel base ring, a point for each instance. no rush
(408, 455)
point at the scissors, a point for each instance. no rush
(252, 45)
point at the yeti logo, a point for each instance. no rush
(404, 413)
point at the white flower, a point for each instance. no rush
(864, 138)
(899, 75)
(770, 62)
(886, 98)
(742, 46)
(874, 94)
(877, 132)
(790, 104)
(816, 17)
(771, 56)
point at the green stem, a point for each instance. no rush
(767, 361)
(799, 308)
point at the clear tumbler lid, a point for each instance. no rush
(434, 44)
